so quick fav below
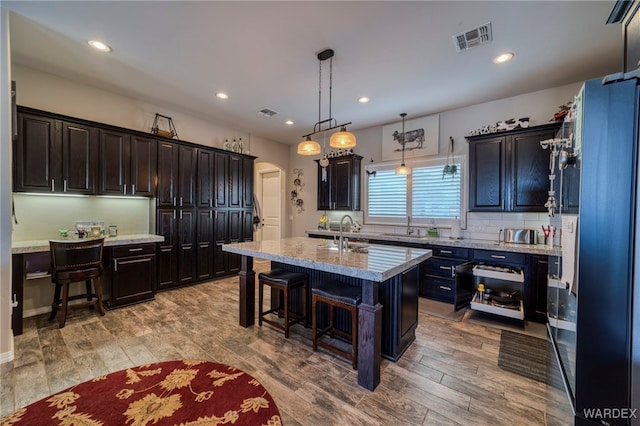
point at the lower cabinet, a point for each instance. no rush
(535, 291)
(446, 276)
(131, 273)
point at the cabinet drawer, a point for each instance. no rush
(441, 267)
(459, 252)
(439, 288)
(502, 257)
(133, 250)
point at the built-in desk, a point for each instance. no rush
(32, 258)
(388, 276)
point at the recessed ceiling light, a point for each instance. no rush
(289, 122)
(99, 45)
(363, 99)
(502, 58)
(222, 95)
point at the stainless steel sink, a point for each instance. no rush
(405, 235)
(352, 247)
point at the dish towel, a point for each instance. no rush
(568, 241)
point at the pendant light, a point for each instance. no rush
(341, 139)
(403, 169)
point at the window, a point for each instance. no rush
(428, 195)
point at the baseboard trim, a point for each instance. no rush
(7, 356)
(36, 311)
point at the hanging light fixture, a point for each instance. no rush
(309, 147)
(403, 169)
(341, 139)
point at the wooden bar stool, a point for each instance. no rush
(337, 295)
(71, 262)
(284, 282)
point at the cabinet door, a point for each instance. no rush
(167, 174)
(247, 182)
(187, 177)
(247, 225)
(134, 275)
(37, 151)
(235, 181)
(487, 169)
(205, 185)
(206, 243)
(79, 158)
(221, 236)
(535, 297)
(530, 171)
(114, 162)
(167, 226)
(341, 186)
(186, 246)
(324, 188)
(144, 166)
(220, 170)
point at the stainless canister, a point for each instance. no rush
(520, 236)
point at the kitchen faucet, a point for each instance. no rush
(409, 228)
(346, 216)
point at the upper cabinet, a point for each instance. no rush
(339, 185)
(128, 164)
(177, 165)
(55, 156)
(509, 171)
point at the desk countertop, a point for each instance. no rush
(34, 246)
(366, 261)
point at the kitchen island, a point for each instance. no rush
(387, 275)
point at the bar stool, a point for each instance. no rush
(340, 295)
(284, 282)
(76, 261)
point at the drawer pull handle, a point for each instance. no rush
(446, 251)
(446, 268)
(135, 249)
(443, 287)
(496, 256)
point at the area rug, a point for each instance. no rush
(167, 393)
(529, 357)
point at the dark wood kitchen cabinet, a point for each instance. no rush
(56, 156)
(132, 273)
(177, 166)
(509, 171)
(240, 181)
(177, 254)
(128, 164)
(339, 186)
(206, 244)
(535, 297)
(446, 276)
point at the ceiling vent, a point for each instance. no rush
(474, 37)
(267, 112)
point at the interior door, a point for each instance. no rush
(270, 202)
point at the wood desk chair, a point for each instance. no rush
(76, 261)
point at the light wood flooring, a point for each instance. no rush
(448, 376)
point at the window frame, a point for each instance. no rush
(415, 163)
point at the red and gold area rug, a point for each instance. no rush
(182, 393)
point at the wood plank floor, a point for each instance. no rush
(449, 375)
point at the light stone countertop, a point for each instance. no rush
(370, 262)
(34, 246)
(539, 249)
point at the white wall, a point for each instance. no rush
(538, 106)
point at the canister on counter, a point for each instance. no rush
(113, 231)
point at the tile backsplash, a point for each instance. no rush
(479, 226)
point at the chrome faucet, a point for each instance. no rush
(409, 228)
(346, 216)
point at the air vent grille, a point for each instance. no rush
(267, 112)
(473, 37)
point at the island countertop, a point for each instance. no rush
(369, 262)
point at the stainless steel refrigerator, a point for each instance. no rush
(594, 269)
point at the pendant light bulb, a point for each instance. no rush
(403, 169)
(309, 147)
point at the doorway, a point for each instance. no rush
(269, 190)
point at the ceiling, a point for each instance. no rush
(263, 54)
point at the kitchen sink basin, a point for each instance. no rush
(404, 235)
(351, 247)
